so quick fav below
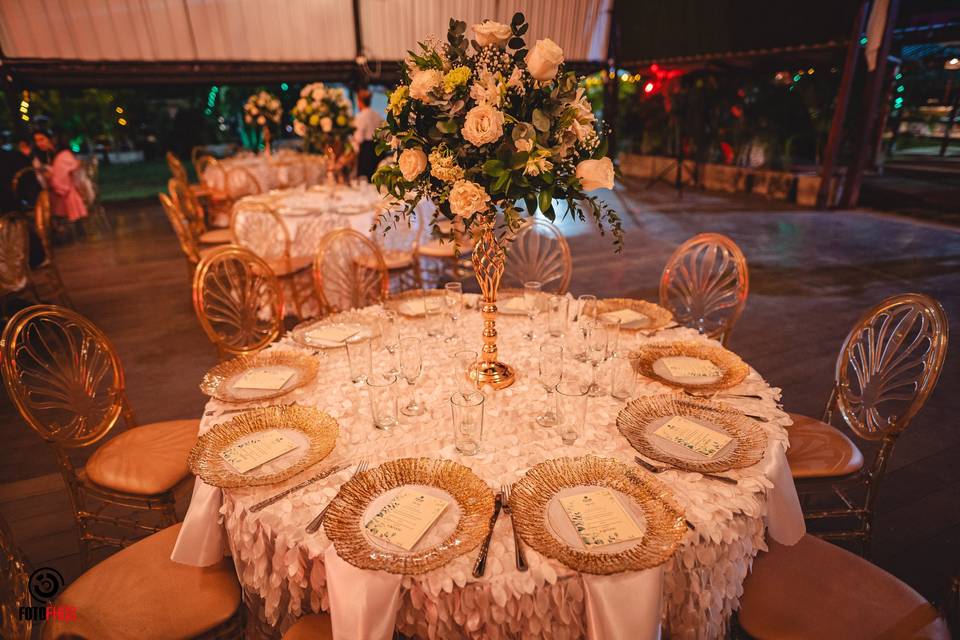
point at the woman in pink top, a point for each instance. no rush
(65, 199)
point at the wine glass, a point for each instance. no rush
(596, 351)
(411, 364)
(531, 298)
(586, 313)
(454, 299)
(551, 372)
(390, 337)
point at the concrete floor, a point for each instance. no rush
(812, 274)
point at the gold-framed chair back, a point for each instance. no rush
(198, 152)
(290, 172)
(539, 252)
(890, 363)
(259, 228)
(176, 167)
(181, 227)
(705, 284)
(238, 300)
(188, 204)
(18, 178)
(14, 588)
(43, 221)
(341, 272)
(241, 182)
(14, 251)
(211, 174)
(64, 375)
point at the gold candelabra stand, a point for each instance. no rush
(489, 261)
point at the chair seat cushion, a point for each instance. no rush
(818, 450)
(216, 236)
(817, 590)
(311, 627)
(139, 593)
(145, 460)
(281, 267)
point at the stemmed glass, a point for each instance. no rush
(551, 372)
(454, 302)
(531, 298)
(411, 364)
(390, 336)
(596, 352)
(586, 313)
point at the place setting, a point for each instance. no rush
(262, 376)
(336, 331)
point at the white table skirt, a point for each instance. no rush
(284, 568)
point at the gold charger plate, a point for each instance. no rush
(657, 315)
(218, 382)
(368, 327)
(396, 302)
(664, 524)
(344, 520)
(639, 418)
(733, 370)
(319, 429)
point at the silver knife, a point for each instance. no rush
(283, 494)
(481, 566)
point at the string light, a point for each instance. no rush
(122, 122)
(119, 109)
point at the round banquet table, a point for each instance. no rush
(271, 172)
(286, 572)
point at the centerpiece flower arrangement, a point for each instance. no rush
(480, 127)
(323, 118)
(263, 109)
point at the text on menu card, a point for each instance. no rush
(693, 436)
(251, 453)
(263, 379)
(599, 518)
(406, 517)
(687, 367)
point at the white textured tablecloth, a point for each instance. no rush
(271, 172)
(286, 569)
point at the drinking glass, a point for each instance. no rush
(433, 306)
(465, 361)
(586, 313)
(612, 328)
(383, 401)
(411, 364)
(551, 372)
(467, 413)
(454, 304)
(596, 352)
(360, 357)
(571, 410)
(623, 374)
(558, 314)
(390, 337)
(531, 298)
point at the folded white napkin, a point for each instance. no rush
(331, 336)
(363, 603)
(629, 319)
(516, 304)
(624, 606)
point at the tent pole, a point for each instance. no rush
(611, 86)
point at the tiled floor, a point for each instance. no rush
(812, 274)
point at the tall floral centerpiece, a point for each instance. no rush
(480, 127)
(324, 119)
(263, 110)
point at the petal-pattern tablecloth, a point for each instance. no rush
(283, 569)
(271, 172)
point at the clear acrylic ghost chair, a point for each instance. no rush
(539, 252)
(349, 272)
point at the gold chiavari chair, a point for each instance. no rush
(257, 227)
(399, 248)
(705, 284)
(341, 273)
(213, 179)
(97, 214)
(46, 275)
(238, 301)
(18, 181)
(814, 589)
(14, 271)
(66, 380)
(290, 172)
(887, 368)
(241, 182)
(198, 152)
(190, 206)
(181, 227)
(539, 252)
(176, 168)
(136, 593)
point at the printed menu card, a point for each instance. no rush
(599, 518)
(687, 367)
(405, 518)
(265, 379)
(250, 454)
(629, 319)
(693, 436)
(334, 335)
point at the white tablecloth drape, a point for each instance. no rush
(694, 594)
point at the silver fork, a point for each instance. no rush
(316, 522)
(517, 543)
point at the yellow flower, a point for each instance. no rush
(314, 120)
(456, 78)
(398, 98)
(341, 120)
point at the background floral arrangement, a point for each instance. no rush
(479, 126)
(323, 117)
(262, 109)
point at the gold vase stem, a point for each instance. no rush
(489, 262)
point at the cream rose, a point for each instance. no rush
(326, 124)
(423, 83)
(595, 174)
(544, 59)
(261, 121)
(467, 198)
(523, 144)
(412, 163)
(299, 128)
(490, 32)
(483, 124)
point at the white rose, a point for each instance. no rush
(423, 82)
(412, 163)
(248, 119)
(326, 125)
(299, 128)
(483, 124)
(490, 32)
(301, 104)
(261, 121)
(467, 198)
(544, 59)
(523, 144)
(595, 174)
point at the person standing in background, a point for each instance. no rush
(366, 123)
(65, 199)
